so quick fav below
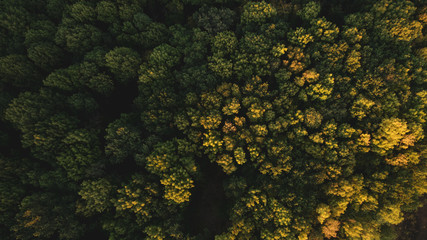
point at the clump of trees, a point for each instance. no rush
(115, 114)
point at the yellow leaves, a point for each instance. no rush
(228, 127)
(364, 141)
(324, 30)
(352, 62)
(155, 233)
(331, 143)
(407, 141)
(249, 87)
(391, 214)
(420, 179)
(338, 207)
(229, 143)
(211, 121)
(241, 226)
(228, 89)
(177, 186)
(422, 16)
(279, 50)
(211, 100)
(232, 107)
(212, 141)
(330, 228)
(33, 221)
(295, 66)
(403, 159)
(316, 138)
(253, 87)
(346, 189)
(275, 170)
(277, 234)
(345, 131)
(239, 121)
(353, 34)
(255, 111)
(226, 162)
(312, 118)
(240, 156)
(335, 52)
(323, 212)
(353, 229)
(259, 130)
(173, 170)
(254, 152)
(136, 197)
(402, 29)
(121, 131)
(27, 213)
(391, 131)
(257, 12)
(134, 206)
(255, 198)
(295, 59)
(158, 163)
(280, 213)
(323, 89)
(310, 76)
(329, 128)
(300, 37)
(38, 140)
(361, 107)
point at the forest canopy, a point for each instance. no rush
(211, 119)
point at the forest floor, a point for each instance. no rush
(415, 225)
(207, 210)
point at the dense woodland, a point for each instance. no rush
(211, 119)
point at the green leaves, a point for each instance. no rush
(78, 38)
(224, 43)
(309, 11)
(174, 169)
(165, 56)
(214, 20)
(18, 71)
(44, 215)
(122, 140)
(311, 114)
(96, 196)
(123, 63)
(79, 154)
(390, 133)
(257, 12)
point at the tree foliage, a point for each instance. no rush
(197, 119)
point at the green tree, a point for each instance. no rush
(79, 154)
(123, 140)
(214, 20)
(18, 71)
(96, 197)
(78, 38)
(123, 63)
(45, 215)
(389, 134)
